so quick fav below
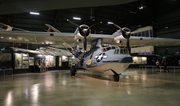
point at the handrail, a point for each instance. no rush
(153, 66)
(4, 71)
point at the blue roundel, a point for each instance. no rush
(100, 57)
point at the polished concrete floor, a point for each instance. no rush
(57, 88)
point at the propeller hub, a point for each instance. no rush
(126, 32)
(84, 30)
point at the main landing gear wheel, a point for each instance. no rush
(116, 77)
(73, 71)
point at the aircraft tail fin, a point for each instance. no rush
(96, 43)
(5, 27)
(52, 28)
(10, 28)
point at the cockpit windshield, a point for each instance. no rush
(117, 49)
(124, 51)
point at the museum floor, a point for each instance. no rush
(57, 88)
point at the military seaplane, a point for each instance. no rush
(111, 60)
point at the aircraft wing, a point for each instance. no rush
(60, 38)
(35, 37)
(145, 41)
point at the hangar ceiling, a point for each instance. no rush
(20, 6)
(122, 12)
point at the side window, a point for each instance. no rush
(117, 51)
(104, 49)
(121, 51)
(108, 48)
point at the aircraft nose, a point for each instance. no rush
(126, 60)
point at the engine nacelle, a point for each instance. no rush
(118, 36)
(121, 34)
(81, 32)
(78, 38)
(126, 32)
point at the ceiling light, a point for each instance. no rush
(34, 13)
(141, 7)
(2, 37)
(133, 12)
(76, 18)
(110, 23)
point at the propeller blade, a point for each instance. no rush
(128, 45)
(72, 23)
(85, 43)
(95, 24)
(136, 28)
(115, 25)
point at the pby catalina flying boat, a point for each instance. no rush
(111, 60)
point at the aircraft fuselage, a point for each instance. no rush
(110, 58)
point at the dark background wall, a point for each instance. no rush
(167, 18)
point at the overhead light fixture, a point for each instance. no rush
(110, 23)
(76, 18)
(133, 12)
(141, 7)
(34, 13)
(141, 4)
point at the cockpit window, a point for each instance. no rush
(124, 51)
(117, 49)
(108, 48)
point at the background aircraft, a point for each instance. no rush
(45, 51)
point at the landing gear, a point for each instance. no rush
(115, 76)
(73, 71)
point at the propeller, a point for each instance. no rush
(84, 30)
(126, 33)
